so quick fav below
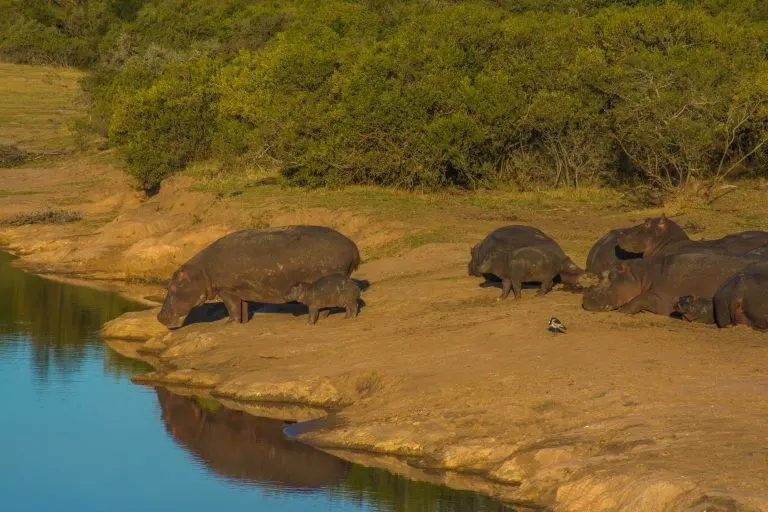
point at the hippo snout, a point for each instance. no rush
(170, 320)
(595, 302)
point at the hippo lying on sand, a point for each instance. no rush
(258, 265)
(518, 254)
(655, 284)
(742, 299)
(659, 236)
(335, 290)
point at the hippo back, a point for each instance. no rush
(698, 273)
(750, 242)
(748, 286)
(261, 265)
(502, 242)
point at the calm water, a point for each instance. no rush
(76, 434)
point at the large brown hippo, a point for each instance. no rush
(258, 265)
(659, 236)
(655, 284)
(742, 299)
(518, 254)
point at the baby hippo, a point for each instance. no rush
(695, 309)
(327, 292)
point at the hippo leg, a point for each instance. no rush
(506, 286)
(546, 287)
(234, 306)
(313, 314)
(244, 311)
(517, 289)
(352, 310)
(739, 318)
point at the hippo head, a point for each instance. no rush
(695, 309)
(297, 293)
(617, 287)
(185, 291)
(645, 238)
(571, 273)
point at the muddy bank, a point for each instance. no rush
(622, 413)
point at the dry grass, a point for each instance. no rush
(48, 216)
(39, 103)
(12, 156)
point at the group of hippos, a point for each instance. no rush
(652, 267)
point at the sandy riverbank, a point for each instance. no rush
(622, 413)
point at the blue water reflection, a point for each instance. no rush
(76, 434)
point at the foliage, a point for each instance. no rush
(162, 128)
(423, 94)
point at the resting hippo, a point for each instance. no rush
(606, 253)
(258, 265)
(742, 299)
(655, 284)
(695, 309)
(327, 292)
(518, 254)
(660, 236)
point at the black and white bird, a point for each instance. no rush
(555, 326)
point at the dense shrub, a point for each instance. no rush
(162, 128)
(424, 93)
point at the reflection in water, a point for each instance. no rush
(80, 436)
(250, 449)
(246, 448)
(59, 319)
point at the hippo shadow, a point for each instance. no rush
(215, 311)
(363, 284)
(623, 255)
(491, 281)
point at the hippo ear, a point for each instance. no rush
(647, 223)
(662, 225)
(172, 288)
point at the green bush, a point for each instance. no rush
(160, 129)
(421, 94)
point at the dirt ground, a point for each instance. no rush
(640, 412)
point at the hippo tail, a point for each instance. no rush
(354, 264)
